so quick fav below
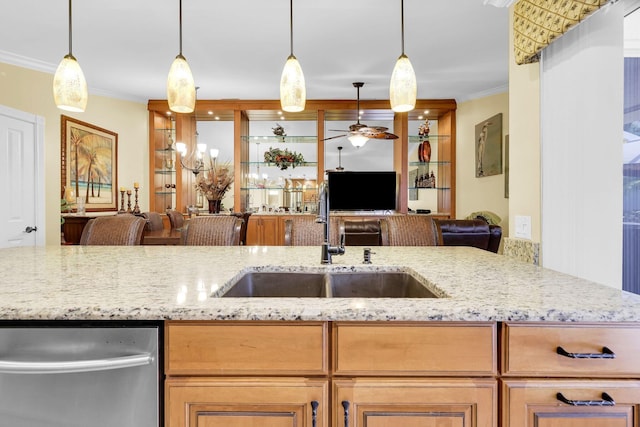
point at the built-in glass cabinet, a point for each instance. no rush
(280, 173)
(278, 160)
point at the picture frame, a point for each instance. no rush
(89, 165)
(488, 146)
(506, 166)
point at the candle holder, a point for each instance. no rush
(121, 211)
(136, 208)
(129, 202)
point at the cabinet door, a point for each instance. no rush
(264, 231)
(415, 403)
(567, 403)
(194, 402)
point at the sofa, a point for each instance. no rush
(468, 232)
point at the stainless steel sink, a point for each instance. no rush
(378, 285)
(369, 284)
(279, 284)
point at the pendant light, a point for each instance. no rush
(181, 88)
(293, 93)
(69, 85)
(403, 88)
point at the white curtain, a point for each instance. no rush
(581, 149)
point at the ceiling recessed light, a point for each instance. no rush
(426, 111)
(420, 117)
(210, 113)
(217, 118)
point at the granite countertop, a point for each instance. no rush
(183, 283)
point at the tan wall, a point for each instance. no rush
(31, 91)
(486, 193)
(524, 142)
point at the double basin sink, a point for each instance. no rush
(369, 284)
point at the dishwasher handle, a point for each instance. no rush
(63, 367)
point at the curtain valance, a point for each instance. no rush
(536, 23)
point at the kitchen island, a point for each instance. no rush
(183, 283)
(505, 343)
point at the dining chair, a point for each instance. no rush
(303, 230)
(410, 230)
(363, 231)
(117, 230)
(154, 221)
(176, 219)
(215, 230)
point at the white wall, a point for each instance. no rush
(581, 149)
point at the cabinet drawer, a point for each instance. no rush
(409, 349)
(246, 348)
(529, 403)
(532, 350)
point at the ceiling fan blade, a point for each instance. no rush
(374, 129)
(333, 137)
(380, 135)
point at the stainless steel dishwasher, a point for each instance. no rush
(79, 376)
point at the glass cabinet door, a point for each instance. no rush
(280, 173)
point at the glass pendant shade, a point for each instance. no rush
(69, 86)
(181, 88)
(293, 93)
(358, 140)
(403, 89)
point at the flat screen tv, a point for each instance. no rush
(362, 191)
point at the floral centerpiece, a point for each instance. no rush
(283, 158)
(214, 183)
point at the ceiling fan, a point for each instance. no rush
(359, 133)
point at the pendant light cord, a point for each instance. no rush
(180, 15)
(402, 24)
(70, 29)
(291, 25)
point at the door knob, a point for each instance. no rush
(30, 229)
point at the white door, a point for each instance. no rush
(21, 169)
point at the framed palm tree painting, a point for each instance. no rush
(89, 163)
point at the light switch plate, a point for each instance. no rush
(523, 227)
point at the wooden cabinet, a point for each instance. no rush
(265, 230)
(557, 375)
(274, 373)
(414, 349)
(237, 402)
(248, 160)
(414, 402)
(537, 403)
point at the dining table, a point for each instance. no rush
(166, 236)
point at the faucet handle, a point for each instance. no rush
(342, 240)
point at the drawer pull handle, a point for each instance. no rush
(606, 401)
(606, 354)
(345, 405)
(314, 412)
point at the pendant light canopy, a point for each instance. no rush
(293, 93)
(69, 85)
(403, 89)
(181, 88)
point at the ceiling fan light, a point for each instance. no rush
(69, 86)
(293, 93)
(181, 88)
(357, 140)
(403, 88)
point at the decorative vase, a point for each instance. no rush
(214, 206)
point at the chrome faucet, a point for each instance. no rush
(323, 217)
